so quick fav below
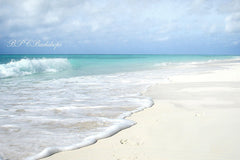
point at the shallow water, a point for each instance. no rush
(51, 103)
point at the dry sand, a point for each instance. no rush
(195, 117)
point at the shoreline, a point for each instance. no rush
(193, 118)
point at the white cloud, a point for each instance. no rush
(75, 20)
(233, 23)
(201, 7)
(51, 18)
(212, 29)
(229, 6)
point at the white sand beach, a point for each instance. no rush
(194, 117)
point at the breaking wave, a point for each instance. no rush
(32, 66)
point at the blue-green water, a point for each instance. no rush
(81, 65)
(51, 103)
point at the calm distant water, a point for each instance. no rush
(82, 65)
(50, 103)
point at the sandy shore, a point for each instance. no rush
(195, 117)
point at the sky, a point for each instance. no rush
(120, 26)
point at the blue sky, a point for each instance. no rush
(121, 26)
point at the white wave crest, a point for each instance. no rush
(32, 66)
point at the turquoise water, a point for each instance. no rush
(81, 65)
(51, 103)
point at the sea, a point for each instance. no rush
(53, 103)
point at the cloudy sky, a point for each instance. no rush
(121, 26)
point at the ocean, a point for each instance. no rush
(52, 103)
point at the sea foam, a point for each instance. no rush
(63, 113)
(32, 66)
